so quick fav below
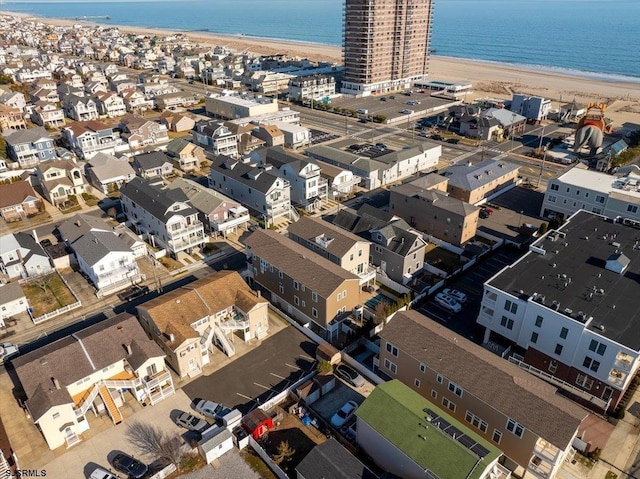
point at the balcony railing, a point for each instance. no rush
(624, 362)
(157, 379)
(368, 274)
(546, 452)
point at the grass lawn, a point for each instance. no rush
(170, 263)
(443, 259)
(89, 199)
(257, 464)
(47, 294)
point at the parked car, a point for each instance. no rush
(448, 303)
(436, 137)
(133, 293)
(487, 210)
(211, 409)
(383, 98)
(7, 350)
(45, 242)
(458, 295)
(130, 466)
(406, 111)
(349, 374)
(392, 97)
(453, 141)
(344, 414)
(99, 473)
(381, 145)
(191, 422)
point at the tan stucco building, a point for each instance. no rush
(474, 183)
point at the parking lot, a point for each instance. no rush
(319, 136)
(471, 283)
(253, 378)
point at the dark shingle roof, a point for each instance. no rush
(79, 225)
(297, 262)
(245, 173)
(330, 460)
(11, 292)
(155, 200)
(471, 176)
(29, 135)
(147, 161)
(95, 245)
(491, 379)
(436, 199)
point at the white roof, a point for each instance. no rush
(601, 182)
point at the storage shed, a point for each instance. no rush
(257, 423)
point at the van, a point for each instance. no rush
(362, 111)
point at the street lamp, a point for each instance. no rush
(544, 157)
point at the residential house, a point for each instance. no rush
(425, 207)
(140, 132)
(295, 136)
(110, 104)
(331, 460)
(80, 108)
(582, 189)
(556, 303)
(108, 173)
(480, 182)
(177, 122)
(409, 437)
(60, 178)
(219, 215)
(309, 189)
(338, 245)
(305, 285)
(135, 100)
(259, 189)
(397, 249)
(493, 396)
(21, 256)
(511, 122)
(47, 115)
(534, 108)
(215, 137)
(29, 147)
(152, 165)
(11, 118)
(384, 169)
(270, 134)
(185, 155)
(185, 321)
(244, 137)
(12, 301)
(14, 99)
(69, 382)
(172, 101)
(341, 182)
(46, 95)
(164, 217)
(88, 138)
(106, 260)
(18, 201)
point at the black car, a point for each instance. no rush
(130, 466)
(436, 137)
(45, 242)
(453, 141)
(133, 293)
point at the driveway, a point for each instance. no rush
(268, 370)
(471, 283)
(79, 461)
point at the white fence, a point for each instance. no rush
(437, 271)
(166, 472)
(389, 283)
(55, 313)
(265, 457)
(442, 244)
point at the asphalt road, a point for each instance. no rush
(252, 379)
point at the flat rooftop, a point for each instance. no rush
(572, 276)
(594, 180)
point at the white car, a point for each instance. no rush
(344, 414)
(447, 302)
(6, 351)
(211, 409)
(191, 422)
(99, 473)
(459, 296)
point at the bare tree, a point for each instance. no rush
(151, 441)
(285, 453)
(112, 212)
(381, 313)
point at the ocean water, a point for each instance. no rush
(598, 38)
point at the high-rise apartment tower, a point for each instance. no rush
(386, 44)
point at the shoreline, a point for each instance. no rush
(489, 78)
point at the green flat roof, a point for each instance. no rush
(396, 412)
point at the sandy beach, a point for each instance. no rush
(488, 79)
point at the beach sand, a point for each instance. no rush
(488, 79)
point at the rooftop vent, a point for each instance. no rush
(615, 244)
(555, 305)
(568, 311)
(599, 327)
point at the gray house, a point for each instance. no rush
(152, 165)
(397, 250)
(30, 147)
(22, 256)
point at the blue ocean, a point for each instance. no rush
(598, 38)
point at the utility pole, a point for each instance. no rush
(544, 157)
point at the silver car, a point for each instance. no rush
(350, 375)
(459, 296)
(191, 422)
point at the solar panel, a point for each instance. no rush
(466, 441)
(430, 412)
(441, 423)
(480, 451)
(453, 431)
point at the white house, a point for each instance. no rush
(88, 138)
(59, 179)
(22, 256)
(12, 301)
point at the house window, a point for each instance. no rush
(296, 300)
(591, 363)
(534, 337)
(506, 323)
(554, 187)
(584, 381)
(563, 333)
(280, 275)
(281, 288)
(553, 366)
(475, 421)
(423, 368)
(416, 382)
(597, 347)
(539, 320)
(296, 286)
(314, 312)
(455, 389)
(434, 394)
(515, 428)
(511, 306)
(390, 366)
(558, 349)
(314, 297)
(600, 199)
(497, 436)
(392, 349)
(56, 415)
(448, 404)
(632, 209)
(439, 378)
(552, 198)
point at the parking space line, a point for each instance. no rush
(278, 376)
(293, 367)
(265, 387)
(304, 356)
(245, 396)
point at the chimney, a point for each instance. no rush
(56, 383)
(128, 348)
(19, 254)
(35, 235)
